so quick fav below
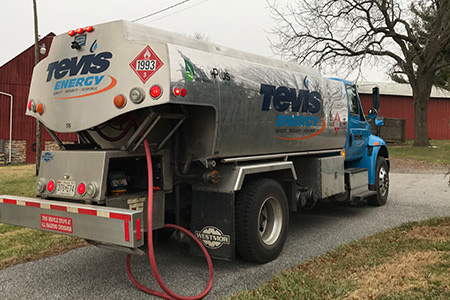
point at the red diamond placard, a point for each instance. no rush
(337, 123)
(146, 64)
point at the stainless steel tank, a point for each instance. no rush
(238, 104)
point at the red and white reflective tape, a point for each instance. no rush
(83, 211)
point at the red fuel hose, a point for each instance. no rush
(168, 294)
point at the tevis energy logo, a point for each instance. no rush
(87, 64)
(304, 106)
(78, 77)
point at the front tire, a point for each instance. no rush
(381, 183)
(262, 220)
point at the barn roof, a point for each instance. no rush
(398, 89)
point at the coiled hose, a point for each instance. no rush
(168, 294)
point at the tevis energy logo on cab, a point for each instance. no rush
(303, 104)
(79, 77)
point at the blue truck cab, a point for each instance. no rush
(364, 150)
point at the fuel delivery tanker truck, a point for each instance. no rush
(236, 142)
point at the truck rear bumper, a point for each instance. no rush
(116, 226)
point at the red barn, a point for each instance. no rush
(15, 79)
(396, 102)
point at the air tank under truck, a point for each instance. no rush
(237, 142)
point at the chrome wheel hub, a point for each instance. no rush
(270, 221)
(383, 182)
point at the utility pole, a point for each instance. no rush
(36, 60)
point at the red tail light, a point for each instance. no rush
(155, 91)
(81, 189)
(179, 92)
(72, 32)
(51, 186)
(176, 91)
(80, 30)
(89, 28)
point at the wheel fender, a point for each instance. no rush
(376, 146)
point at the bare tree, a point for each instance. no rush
(344, 34)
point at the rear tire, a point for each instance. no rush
(262, 220)
(381, 183)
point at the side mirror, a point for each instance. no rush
(373, 113)
(376, 97)
(379, 121)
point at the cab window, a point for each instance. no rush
(353, 102)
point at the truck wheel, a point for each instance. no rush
(262, 220)
(381, 183)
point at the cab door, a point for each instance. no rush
(358, 127)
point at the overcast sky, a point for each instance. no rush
(236, 24)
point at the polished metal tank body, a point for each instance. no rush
(238, 104)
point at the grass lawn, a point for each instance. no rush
(408, 262)
(439, 152)
(17, 244)
(18, 180)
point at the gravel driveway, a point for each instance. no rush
(92, 273)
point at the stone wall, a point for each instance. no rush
(52, 146)
(2, 152)
(19, 151)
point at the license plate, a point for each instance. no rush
(66, 188)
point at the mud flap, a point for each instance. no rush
(212, 222)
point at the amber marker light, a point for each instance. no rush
(120, 101)
(40, 108)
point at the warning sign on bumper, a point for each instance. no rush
(56, 223)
